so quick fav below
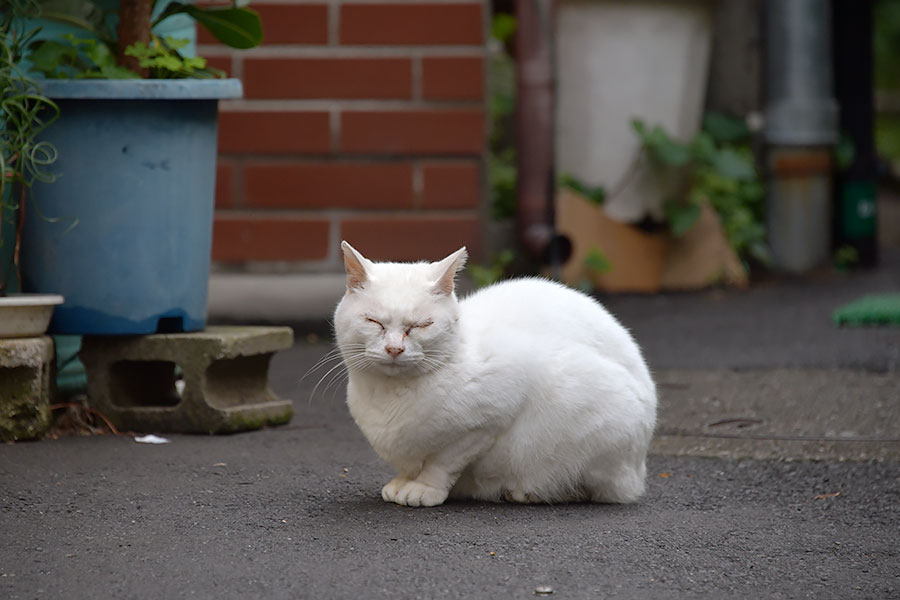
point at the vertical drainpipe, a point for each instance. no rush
(801, 128)
(856, 192)
(535, 83)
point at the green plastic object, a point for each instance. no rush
(71, 379)
(882, 309)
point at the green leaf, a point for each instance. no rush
(844, 152)
(733, 164)
(681, 217)
(596, 261)
(100, 55)
(595, 195)
(664, 149)
(725, 128)
(484, 275)
(195, 62)
(703, 147)
(671, 154)
(117, 72)
(639, 128)
(49, 55)
(503, 27)
(239, 28)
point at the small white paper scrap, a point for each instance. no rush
(151, 439)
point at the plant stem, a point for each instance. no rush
(19, 224)
(4, 275)
(134, 26)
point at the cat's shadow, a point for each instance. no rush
(371, 505)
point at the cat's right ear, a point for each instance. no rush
(355, 266)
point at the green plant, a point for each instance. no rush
(886, 50)
(25, 113)
(164, 61)
(595, 260)
(845, 257)
(133, 45)
(77, 58)
(485, 275)
(501, 158)
(719, 169)
(594, 194)
(88, 58)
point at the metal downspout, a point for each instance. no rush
(535, 82)
(801, 128)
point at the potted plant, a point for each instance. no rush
(712, 215)
(129, 242)
(24, 113)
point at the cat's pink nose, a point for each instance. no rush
(394, 351)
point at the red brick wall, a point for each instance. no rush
(362, 121)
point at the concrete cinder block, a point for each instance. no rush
(26, 380)
(223, 388)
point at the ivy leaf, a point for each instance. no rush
(595, 195)
(731, 163)
(596, 261)
(681, 217)
(49, 55)
(703, 147)
(99, 54)
(503, 27)
(664, 149)
(725, 128)
(639, 128)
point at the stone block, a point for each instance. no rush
(26, 385)
(213, 381)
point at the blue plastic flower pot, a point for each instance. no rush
(125, 233)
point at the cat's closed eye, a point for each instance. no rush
(371, 320)
(421, 325)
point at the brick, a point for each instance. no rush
(244, 237)
(451, 185)
(453, 78)
(425, 24)
(350, 78)
(286, 24)
(457, 132)
(224, 185)
(250, 132)
(26, 383)
(412, 237)
(224, 371)
(329, 185)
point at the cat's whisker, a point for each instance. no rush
(322, 378)
(358, 360)
(336, 383)
(431, 363)
(332, 354)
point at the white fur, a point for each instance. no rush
(526, 391)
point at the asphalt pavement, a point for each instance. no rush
(775, 474)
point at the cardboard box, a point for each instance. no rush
(641, 261)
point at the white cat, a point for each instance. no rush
(526, 391)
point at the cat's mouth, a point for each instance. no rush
(395, 366)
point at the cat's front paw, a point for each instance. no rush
(412, 493)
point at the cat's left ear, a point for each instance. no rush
(447, 270)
